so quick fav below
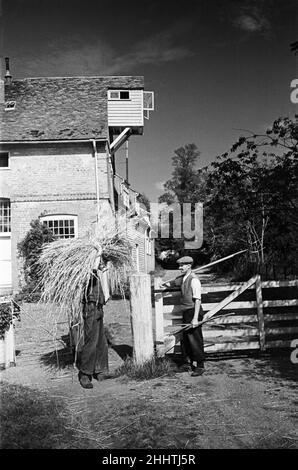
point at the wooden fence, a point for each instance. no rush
(251, 315)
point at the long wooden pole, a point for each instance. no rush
(141, 317)
(206, 266)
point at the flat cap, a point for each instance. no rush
(185, 260)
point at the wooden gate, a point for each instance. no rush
(241, 316)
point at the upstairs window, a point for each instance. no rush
(119, 95)
(10, 105)
(5, 217)
(62, 226)
(4, 160)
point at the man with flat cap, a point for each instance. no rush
(192, 343)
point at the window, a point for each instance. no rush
(148, 100)
(119, 95)
(124, 95)
(62, 226)
(4, 160)
(5, 227)
(10, 105)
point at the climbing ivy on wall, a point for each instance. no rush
(30, 249)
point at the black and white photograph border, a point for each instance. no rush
(148, 229)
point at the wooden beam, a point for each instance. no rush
(280, 303)
(159, 319)
(141, 317)
(260, 312)
(231, 346)
(246, 304)
(292, 283)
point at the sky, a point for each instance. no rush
(215, 66)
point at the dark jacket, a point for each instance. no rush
(94, 291)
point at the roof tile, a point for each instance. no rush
(60, 108)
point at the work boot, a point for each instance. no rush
(184, 367)
(198, 371)
(101, 375)
(85, 381)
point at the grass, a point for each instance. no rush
(156, 367)
(32, 420)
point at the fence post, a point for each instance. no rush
(141, 317)
(9, 342)
(159, 328)
(260, 312)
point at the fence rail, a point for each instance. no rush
(242, 316)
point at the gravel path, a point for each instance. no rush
(241, 402)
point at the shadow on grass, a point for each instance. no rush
(31, 419)
(123, 350)
(61, 358)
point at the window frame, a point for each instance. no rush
(6, 234)
(119, 97)
(8, 158)
(61, 217)
(9, 108)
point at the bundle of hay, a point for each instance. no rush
(66, 266)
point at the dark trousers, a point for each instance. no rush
(93, 356)
(192, 343)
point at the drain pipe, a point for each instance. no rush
(96, 177)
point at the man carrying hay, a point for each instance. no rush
(92, 358)
(72, 278)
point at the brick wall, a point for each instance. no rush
(24, 212)
(53, 169)
(54, 179)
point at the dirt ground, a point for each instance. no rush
(241, 402)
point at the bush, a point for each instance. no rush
(30, 248)
(8, 312)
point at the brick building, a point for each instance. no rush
(58, 142)
(142, 241)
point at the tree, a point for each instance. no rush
(187, 182)
(187, 185)
(253, 201)
(30, 249)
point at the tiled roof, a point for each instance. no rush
(60, 108)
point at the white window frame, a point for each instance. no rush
(6, 234)
(151, 108)
(59, 217)
(9, 103)
(5, 167)
(118, 97)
